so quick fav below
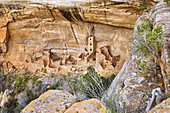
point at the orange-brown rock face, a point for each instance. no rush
(3, 37)
(42, 36)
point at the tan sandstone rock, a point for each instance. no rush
(4, 35)
(87, 106)
(64, 31)
(163, 107)
(52, 101)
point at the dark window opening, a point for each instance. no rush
(105, 65)
(90, 49)
(90, 43)
(106, 61)
(94, 59)
(90, 38)
(26, 61)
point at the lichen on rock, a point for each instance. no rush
(51, 101)
(87, 106)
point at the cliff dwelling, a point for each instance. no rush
(67, 56)
(61, 40)
(101, 58)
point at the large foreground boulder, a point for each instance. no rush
(52, 101)
(87, 106)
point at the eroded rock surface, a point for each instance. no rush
(3, 37)
(47, 35)
(136, 90)
(52, 101)
(160, 14)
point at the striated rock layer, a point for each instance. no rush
(51, 35)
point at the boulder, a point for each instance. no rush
(52, 101)
(22, 98)
(87, 106)
(163, 107)
(5, 98)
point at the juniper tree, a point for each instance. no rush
(149, 45)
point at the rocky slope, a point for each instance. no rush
(139, 92)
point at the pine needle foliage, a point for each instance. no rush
(149, 46)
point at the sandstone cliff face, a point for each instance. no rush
(70, 35)
(141, 92)
(54, 36)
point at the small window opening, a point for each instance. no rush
(90, 43)
(90, 49)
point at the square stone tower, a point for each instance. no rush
(91, 45)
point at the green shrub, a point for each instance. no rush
(143, 7)
(167, 1)
(107, 81)
(89, 85)
(149, 46)
(52, 74)
(9, 79)
(19, 85)
(92, 84)
(33, 79)
(44, 70)
(30, 95)
(4, 110)
(55, 86)
(38, 83)
(25, 78)
(18, 108)
(12, 94)
(110, 104)
(73, 82)
(28, 91)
